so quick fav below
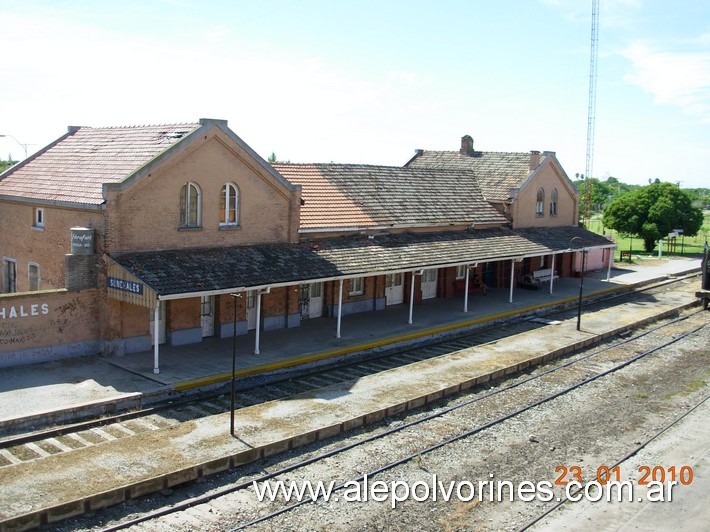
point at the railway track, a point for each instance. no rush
(547, 383)
(41, 444)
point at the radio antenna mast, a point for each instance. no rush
(591, 111)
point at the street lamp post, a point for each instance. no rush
(24, 146)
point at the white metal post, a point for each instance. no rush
(258, 321)
(552, 275)
(156, 338)
(512, 279)
(340, 308)
(465, 295)
(610, 261)
(411, 299)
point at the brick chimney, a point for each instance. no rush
(466, 145)
(534, 159)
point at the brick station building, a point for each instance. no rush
(116, 240)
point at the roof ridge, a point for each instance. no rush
(456, 152)
(142, 126)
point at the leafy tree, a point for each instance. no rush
(272, 157)
(652, 212)
(4, 165)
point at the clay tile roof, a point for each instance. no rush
(496, 172)
(357, 195)
(74, 168)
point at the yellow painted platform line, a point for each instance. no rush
(315, 357)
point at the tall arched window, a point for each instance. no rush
(229, 205)
(553, 202)
(190, 205)
(540, 205)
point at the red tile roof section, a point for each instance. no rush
(74, 169)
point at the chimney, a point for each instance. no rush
(466, 145)
(534, 159)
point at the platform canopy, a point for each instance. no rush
(175, 274)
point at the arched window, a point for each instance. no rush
(540, 205)
(190, 205)
(553, 202)
(229, 205)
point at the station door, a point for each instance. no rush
(394, 289)
(310, 300)
(429, 284)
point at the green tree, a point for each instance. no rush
(652, 212)
(4, 165)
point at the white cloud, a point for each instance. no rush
(672, 77)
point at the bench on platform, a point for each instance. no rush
(544, 275)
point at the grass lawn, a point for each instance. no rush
(684, 246)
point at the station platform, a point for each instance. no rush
(90, 478)
(59, 391)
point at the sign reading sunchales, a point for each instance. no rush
(124, 286)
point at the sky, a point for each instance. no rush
(372, 81)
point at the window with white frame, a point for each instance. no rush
(540, 204)
(190, 205)
(553, 202)
(356, 286)
(33, 276)
(38, 217)
(229, 205)
(461, 271)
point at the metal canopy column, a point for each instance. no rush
(156, 338)
(258, 321)
(411, 298)
(512, 279)
(340, 307)
(552, 276)
(465, 295)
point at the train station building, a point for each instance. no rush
(117, 240)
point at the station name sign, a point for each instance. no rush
(35, 309)
(124, 286)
